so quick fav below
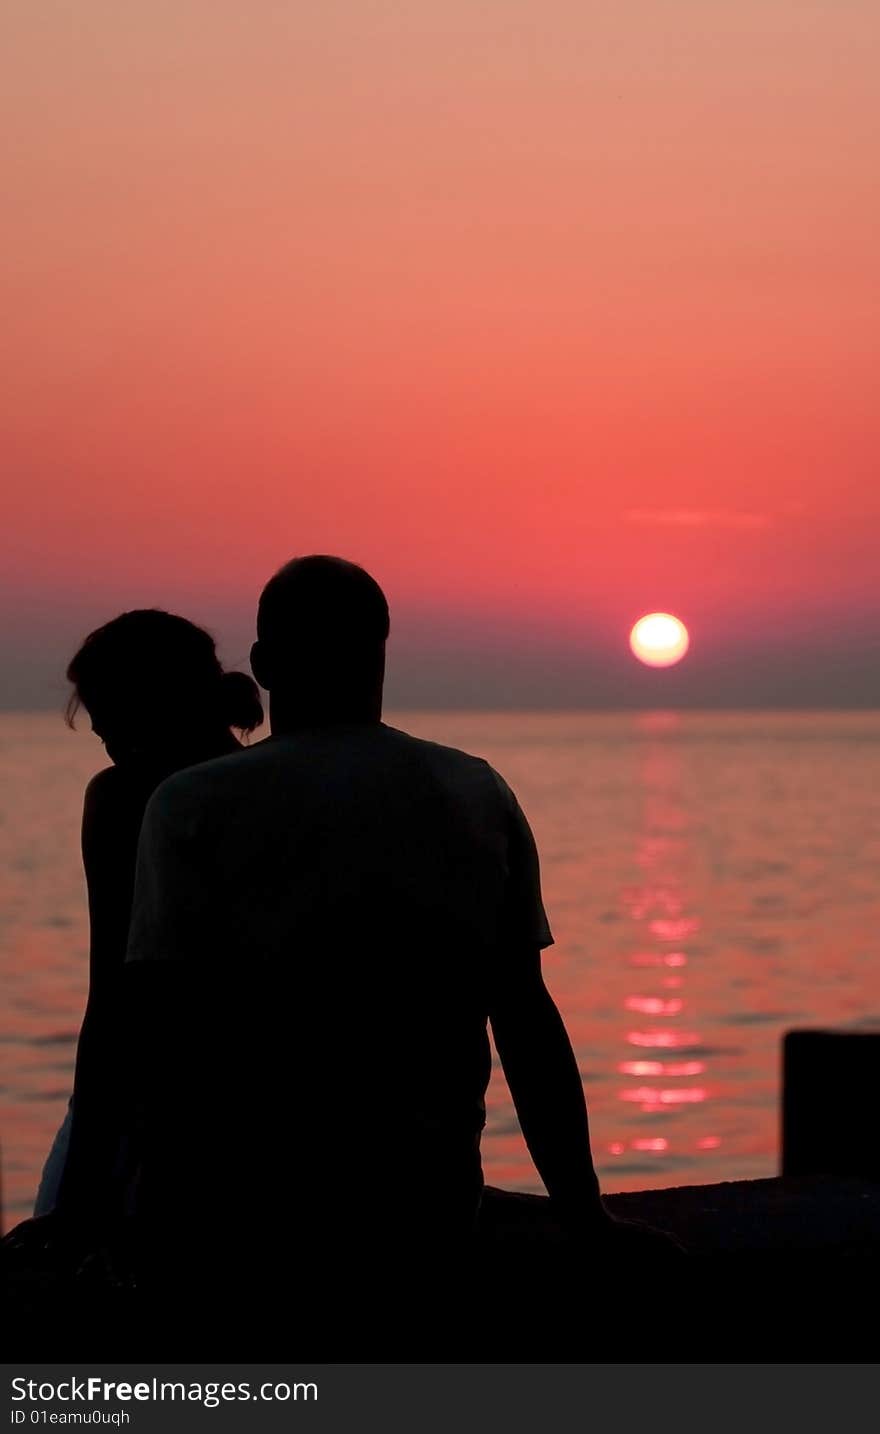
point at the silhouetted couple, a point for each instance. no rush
(282, 1071)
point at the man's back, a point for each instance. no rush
(317, 924)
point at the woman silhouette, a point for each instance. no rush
(159, 700)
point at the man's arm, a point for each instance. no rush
(539, 1063)
(541, 1070)
(530, 1038)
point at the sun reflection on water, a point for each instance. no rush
(660, 908)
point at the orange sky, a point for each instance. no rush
(549, 313)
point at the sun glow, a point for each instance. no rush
(659, 639)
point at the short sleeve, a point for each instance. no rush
(170, 919)
(524, 917)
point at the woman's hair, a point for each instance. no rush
(170, 657)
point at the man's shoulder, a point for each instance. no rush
(437, 754)
(194, 787)
(455, 763)
(213, 785)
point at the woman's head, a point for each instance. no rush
(153, 685)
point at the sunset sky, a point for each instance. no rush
(551, 313)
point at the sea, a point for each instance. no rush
(712, 880)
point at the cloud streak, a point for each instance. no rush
(697, 518)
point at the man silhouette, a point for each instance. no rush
(323, 926)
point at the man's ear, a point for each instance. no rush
(258, 666)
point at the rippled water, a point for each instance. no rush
(711, 880)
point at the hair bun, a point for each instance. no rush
(240, 697)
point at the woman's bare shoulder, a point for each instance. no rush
(110, 798)
(105, 789)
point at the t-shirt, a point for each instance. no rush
(320, 919)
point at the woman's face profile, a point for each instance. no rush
(127, 730)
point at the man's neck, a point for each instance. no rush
(288, 717)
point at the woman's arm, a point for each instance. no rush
(112, 814)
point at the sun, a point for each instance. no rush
(659, 639)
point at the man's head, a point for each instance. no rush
(322, 624)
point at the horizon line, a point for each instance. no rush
(550, 710)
